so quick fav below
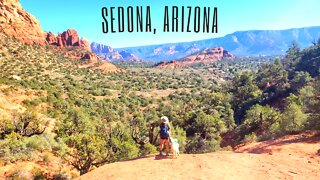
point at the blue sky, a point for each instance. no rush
(233, 15)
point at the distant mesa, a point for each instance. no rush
(109, 54)
(206, 56)
(129, 57)
(105, 52)
(18, 23)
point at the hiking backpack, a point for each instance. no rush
(164, 131)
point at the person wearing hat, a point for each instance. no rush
(164, 134)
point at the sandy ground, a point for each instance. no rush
(290, 157)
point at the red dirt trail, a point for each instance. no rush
(289, 157)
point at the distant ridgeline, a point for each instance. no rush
(241, 43)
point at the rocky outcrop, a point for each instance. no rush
(51, 38)
(90, 56)
(94, 62)
(89, 60)
(85, 44)
(170, 64)
(70, 38)
(108, 53)
(206, 56)
(67, 38)
(16, 22)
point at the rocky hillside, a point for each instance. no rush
(16, 22)
(241, 43)
(109, 54)
(273, 159)
(205, 56)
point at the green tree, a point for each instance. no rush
(310, 61)
(277, 62)
(292, 56)
(259, 119)
(28, 124)
(152, 120)
(209, 125)
(293, 118)
(120, 142)
(206, 136)
(274, 74)
(300, 79)
(309, 96)
(139, 130)
(77, 121)
(87, 146)
(86, 150)
(229, 117)
(6, 127)
(245, 94)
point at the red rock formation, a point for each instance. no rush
(85, 44)
(90, 60)
(51, 38)
(206, 56)
(93, 61)
(68, 38)
(90, 56)
(16, 22)
(171, 64)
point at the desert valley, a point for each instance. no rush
(242, 106)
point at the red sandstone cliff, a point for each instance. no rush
(67, 38)
(16, 22)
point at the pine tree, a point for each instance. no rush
(293, 118)
(292, 57)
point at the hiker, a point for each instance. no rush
(164, 134)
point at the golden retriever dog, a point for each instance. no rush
(174, 148)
